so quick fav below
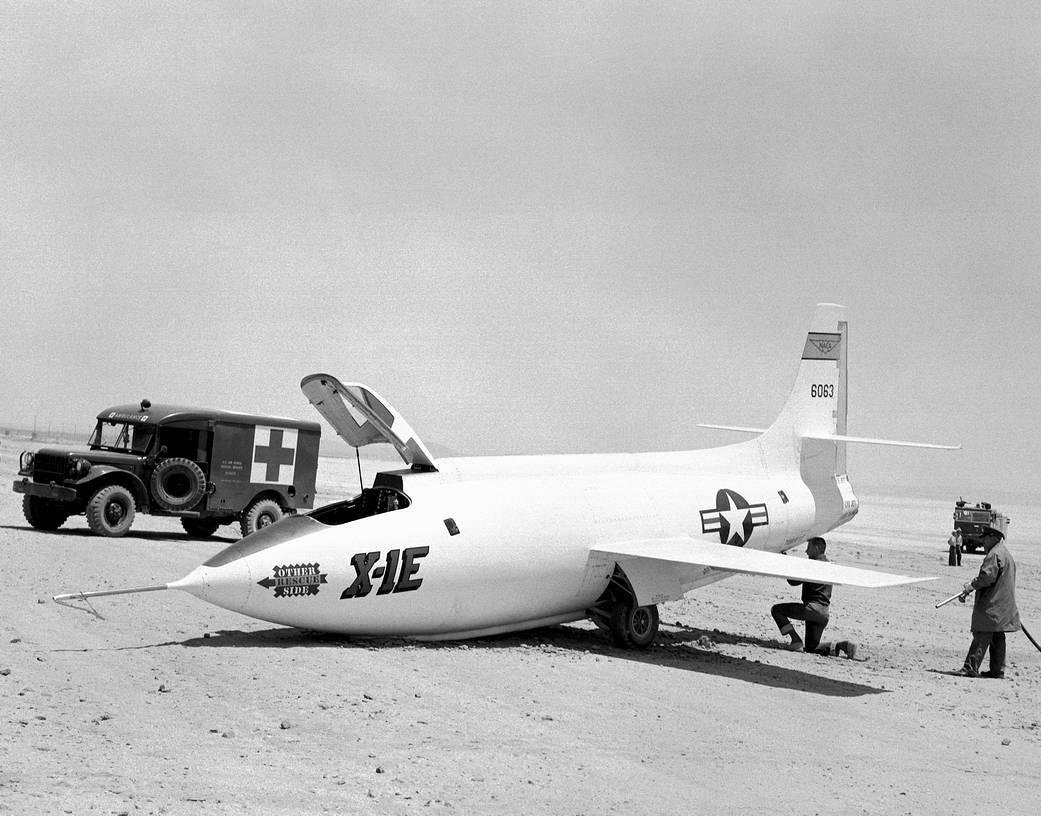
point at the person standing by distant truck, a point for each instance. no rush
(954, 549)
(994, 610)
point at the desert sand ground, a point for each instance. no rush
(167, 705)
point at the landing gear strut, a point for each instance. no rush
(631, 626)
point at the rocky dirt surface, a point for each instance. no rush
(161, 704)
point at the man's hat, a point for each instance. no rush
(991, 531)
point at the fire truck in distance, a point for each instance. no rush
(972, 518)
(204, 466)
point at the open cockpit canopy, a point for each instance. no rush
(362, 417)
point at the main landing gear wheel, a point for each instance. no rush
(632, 626)
(110, 511)
(44, 514)
(178, 484)
(262, 513)
(617, 611)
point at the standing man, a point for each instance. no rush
(814, 609)
(954, 549)
(994, 610)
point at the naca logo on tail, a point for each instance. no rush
(733, 518)
(822, 346)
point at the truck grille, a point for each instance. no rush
(49, 467)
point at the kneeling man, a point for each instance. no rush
(814, 609)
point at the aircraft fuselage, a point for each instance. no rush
(477, 557)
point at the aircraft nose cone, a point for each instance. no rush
(228, 585)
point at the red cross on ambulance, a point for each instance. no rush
(274, 455)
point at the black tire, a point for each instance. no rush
(178, 484)
(632, 626)
(110, 511)
(200, 527)
(262, 513)
(44, 514)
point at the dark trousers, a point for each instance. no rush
(816, 619)
(980, 642)
(954, 557)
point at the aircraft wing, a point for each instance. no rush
(656, 567)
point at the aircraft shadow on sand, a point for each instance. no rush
(677, 651)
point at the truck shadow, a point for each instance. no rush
(688, 649)
(145, 535)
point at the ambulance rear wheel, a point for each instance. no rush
(200, 527)
(632, 626)
(110, 511)
(262, 513)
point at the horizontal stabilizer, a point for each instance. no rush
(863, 440)
(652, 565)
(869, 441)
(732, 428)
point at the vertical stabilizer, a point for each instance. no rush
(817, 407)
(817, 403)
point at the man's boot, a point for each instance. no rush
(796, 643)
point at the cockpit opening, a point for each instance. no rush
(370, 502)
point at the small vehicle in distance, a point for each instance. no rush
(207, 467)
(971, 519)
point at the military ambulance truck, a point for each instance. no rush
(204, 466)
(972, 519)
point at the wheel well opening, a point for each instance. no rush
(274, 495)
(618, 611)
(123, 479)
(618, 589)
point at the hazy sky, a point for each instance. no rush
(539, 227)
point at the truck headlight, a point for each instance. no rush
(78, 468)
(25, 462)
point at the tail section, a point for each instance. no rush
(816, 407)
(810, 432)
(814, 418)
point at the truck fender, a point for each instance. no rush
(100, 475)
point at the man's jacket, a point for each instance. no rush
(994, 609)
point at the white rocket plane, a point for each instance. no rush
(469, 547)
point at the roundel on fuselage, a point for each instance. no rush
(733, 518)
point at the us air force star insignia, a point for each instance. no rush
(733, 518)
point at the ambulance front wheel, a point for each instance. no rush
(632, 626)
(110, 511)
(262, 513)
(44, 514)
